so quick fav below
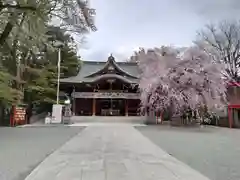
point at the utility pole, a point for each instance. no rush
(58, 73)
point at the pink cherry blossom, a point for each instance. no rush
(176, 80)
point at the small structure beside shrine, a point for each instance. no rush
(104, 89)
(234, 105)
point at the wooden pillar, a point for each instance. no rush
(126, 107)
(230, 117)
(74, 106)
(94, 107)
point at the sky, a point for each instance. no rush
(125, 25)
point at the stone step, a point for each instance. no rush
(110, 119)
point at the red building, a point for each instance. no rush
(234, 104)
(104, 88)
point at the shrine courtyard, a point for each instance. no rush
(212, 152)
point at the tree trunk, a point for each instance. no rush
(29, 113)
(8, 28)
(150, 117)
(176, 120)
(6, 33)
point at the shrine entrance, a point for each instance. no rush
(110, 107)
(104, 89)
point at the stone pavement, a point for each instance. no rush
(117, 152)
(22, 149)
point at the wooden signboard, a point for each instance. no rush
(18, 116)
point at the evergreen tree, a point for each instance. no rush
(41, 87)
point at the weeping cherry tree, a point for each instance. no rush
(174, 80)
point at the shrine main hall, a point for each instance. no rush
(104, 89)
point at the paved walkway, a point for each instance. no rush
(117, 152)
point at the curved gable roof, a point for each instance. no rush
(111, 63)
(91, 69)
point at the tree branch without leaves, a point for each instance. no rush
(222, 41)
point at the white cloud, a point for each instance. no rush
(126, 24)
(213, 10)
(122, 53)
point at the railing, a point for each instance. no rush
(106, 95)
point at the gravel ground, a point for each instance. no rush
(22, 149)
(215, 152)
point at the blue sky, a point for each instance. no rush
(124, 25)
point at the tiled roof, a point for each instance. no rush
(90, 67)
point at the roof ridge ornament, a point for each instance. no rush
(111, 58)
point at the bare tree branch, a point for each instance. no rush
(222, 41)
